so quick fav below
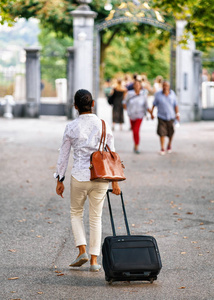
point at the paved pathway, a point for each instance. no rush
(170, 197)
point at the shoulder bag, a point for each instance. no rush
(111, 98)
(105, 164)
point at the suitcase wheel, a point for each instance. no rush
(151, 280)
(110, 280)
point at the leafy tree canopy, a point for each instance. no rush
(126, 54)
(55, 14)
(208, 59)
(5, 12)
(199, 15)
(137, 54)
(53, 55)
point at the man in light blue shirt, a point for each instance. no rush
(166, 103)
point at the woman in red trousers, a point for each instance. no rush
(136, 104)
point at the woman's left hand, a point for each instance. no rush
(115, 188)
(60, 188)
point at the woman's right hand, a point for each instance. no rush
(60, 188)
(115, 188)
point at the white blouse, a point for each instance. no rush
(83, 135)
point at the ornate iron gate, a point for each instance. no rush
(130, 13)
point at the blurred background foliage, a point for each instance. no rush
(137, 53)
(125, 47)
(55, 14)
(53, 54)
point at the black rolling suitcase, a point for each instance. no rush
(129, 257)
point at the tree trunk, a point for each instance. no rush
(103, 48)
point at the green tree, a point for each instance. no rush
(137, 53)
(199, 15)
(5, 12)
(55, 15)
(208, 60)
(53, 55)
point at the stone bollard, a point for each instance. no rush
(61, 89)
(9, 103)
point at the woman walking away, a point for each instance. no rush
(158, 84)
(136, 105)
(118, 95)
(83, 135)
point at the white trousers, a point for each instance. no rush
(95, 190)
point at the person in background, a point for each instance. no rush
(83, 135)
(107, 88)
(146, 84)
(127, 80)
(158, 84)
(205, 75)
(166, 103)
(212, 76)
(117, 96)
(136, 104)
(131, 85)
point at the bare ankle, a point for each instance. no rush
(93, 260)
(82, 249)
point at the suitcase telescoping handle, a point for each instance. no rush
(111, 216)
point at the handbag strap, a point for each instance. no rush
(104, 132)
(109, 150)
(103, 135)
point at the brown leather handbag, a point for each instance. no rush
(106, 164)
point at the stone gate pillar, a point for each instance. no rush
(70, 82)
(186, 86)
(83, 32)
(173, 61)
(33, 82)
(198, 85)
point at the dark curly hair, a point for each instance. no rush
(83, 100)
